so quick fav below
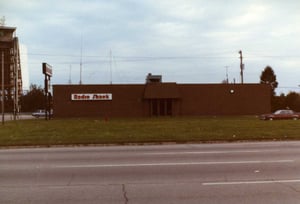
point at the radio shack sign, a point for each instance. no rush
(91, 97)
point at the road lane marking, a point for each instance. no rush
(172, 164)
(209, 152)
(250, 182)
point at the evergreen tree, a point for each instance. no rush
(268, 77)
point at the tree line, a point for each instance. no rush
(289, 101)
(32, 100)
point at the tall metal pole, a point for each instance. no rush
(3, 94)
(70, 75)
(80, 81)
(241, 66)
(46, 97)
(17, 66)
(15, 82)
(227, 79)
(110, 66)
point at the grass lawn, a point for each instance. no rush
(141, 130)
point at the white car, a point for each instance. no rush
(40, 113)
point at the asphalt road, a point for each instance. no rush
(266, 172)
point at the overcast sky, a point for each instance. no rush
(185, 41)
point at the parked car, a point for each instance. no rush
(281, 115)
(40, 113)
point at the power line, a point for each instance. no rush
(288, 87)
(160, 58)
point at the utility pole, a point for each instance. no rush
(3, 94)
(70, 74)
(110, 65)
(2, 21)
(241, 66)
(80, 81)
(227, 79)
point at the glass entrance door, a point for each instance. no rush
(161, 107)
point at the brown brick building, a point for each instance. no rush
(160, 99)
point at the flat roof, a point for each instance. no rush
(8, 28)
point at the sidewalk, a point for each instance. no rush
(21, 116)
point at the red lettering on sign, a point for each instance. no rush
(81, 97)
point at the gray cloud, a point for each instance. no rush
(184, 40)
